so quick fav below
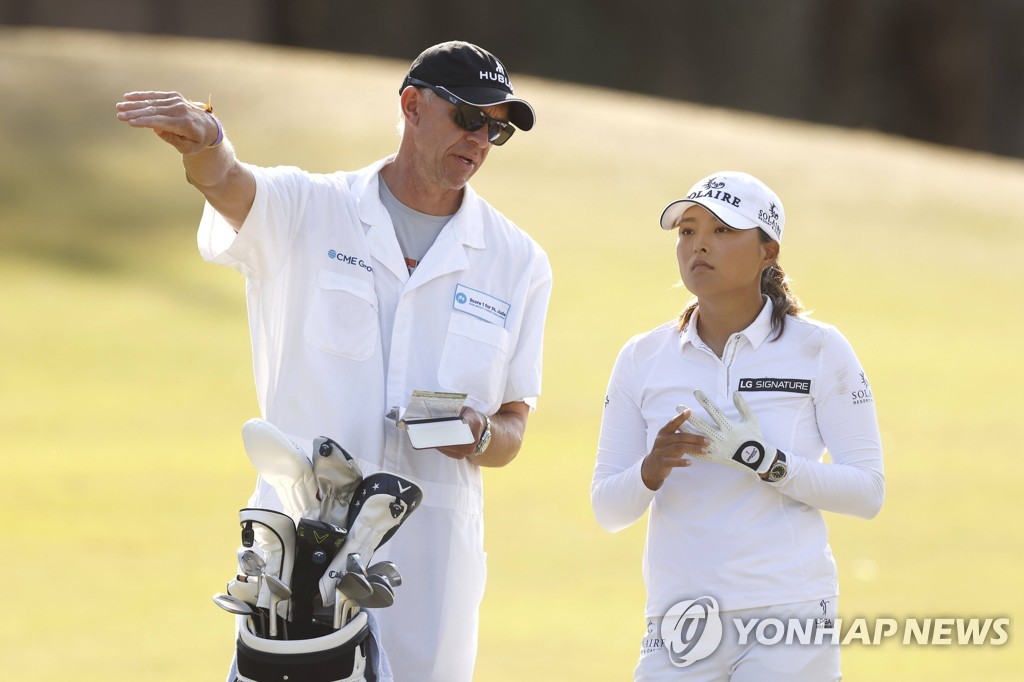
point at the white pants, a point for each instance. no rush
(736, 660)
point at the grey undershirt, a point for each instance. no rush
(415, 231)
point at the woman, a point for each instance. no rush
(718, 423)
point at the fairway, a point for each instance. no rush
(125, 372)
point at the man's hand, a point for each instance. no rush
(191, 128)
(667, 453)
(187, 126)
(737, 444)
(508, 426)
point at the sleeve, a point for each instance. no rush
(524, 372)
(259, 248)
(854, 482)
(617, 491)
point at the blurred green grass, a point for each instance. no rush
(125, 372)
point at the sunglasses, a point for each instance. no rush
(469, 117)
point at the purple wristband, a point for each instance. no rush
(220, 132)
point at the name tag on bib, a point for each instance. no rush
(481, 305)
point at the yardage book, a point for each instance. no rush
(433, 420)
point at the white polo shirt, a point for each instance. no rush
(718, 531)
(341, 333)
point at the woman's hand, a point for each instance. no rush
(669, 448)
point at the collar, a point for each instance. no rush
(467, 223)
(755, 334)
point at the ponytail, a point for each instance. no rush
(775, 285)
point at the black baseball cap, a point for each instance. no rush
(473, 75)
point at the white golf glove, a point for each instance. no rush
(739, 445)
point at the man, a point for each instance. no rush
(364, 286)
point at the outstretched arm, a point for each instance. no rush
(209, 159)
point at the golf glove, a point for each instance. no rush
(737, 444)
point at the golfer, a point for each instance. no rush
(365, 286)
(717, 423)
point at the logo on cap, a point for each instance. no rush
(498, 75)
(713, 190)
(771, 218)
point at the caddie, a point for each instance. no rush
(364, 286)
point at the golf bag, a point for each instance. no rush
(340, 656)
(305, 581)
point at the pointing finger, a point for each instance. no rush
(673, 424)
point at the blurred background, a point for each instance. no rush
(891, 130)
(946, 72)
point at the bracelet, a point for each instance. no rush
(208, 108)
(220, 131)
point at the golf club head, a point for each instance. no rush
(355, 586)
(388, 570)
(233, 605)
(382, 596)
(278, 588)
(354, 564)
(251, 562)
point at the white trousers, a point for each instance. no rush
(748, 651)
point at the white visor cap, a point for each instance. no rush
(739, 200)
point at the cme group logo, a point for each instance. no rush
(461, 297)
(332, 254)
(692, 630)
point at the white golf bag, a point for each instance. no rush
(305, 578)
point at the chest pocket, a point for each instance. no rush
(475, 358)
(342, 317)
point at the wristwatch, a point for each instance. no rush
(779, 468)
(485, 438)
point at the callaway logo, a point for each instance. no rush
(319, 537)
(401, 489)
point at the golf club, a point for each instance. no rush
(278, 593)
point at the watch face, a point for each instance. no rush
(777, 472)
